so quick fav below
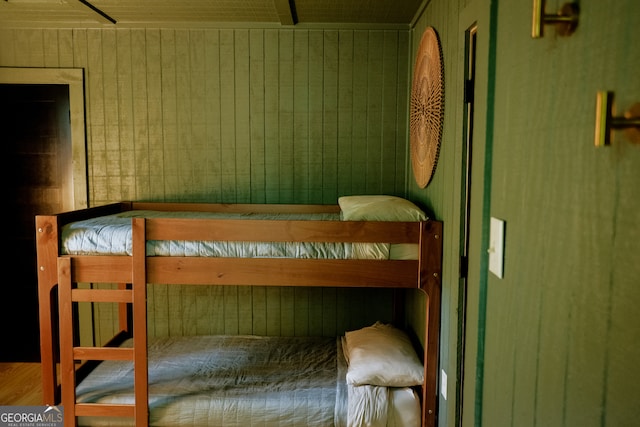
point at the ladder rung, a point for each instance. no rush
(104, 410)
(102, 353)
(101, 295)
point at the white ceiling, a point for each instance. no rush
(89, 13)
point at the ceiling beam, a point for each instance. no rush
(103, 16)
(286, 11)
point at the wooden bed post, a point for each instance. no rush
(432, 350)
(47, 253)
(431, 284)
(140, 362)
(67, 365)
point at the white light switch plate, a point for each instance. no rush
(496, 247)
(443, 384)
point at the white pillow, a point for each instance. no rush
(379, 208)
(382, 355)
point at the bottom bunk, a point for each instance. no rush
(267, 381)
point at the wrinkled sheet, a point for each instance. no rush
(377, 406)
(367, 406)
(111, 235)
(230, 381)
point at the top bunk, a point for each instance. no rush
(363, 241)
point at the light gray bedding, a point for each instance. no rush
(111, 235)
(249, 381)
(230, 381)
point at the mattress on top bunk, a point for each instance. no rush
(111, 235)
(248, 380)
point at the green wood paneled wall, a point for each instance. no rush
(557, 342)
(251, 115)
(442, 195)
(564, 325)
(234, 115)
(246, 115)
(176, 310)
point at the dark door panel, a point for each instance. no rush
(35, 124)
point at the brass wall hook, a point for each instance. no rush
(566, 20)
(606, 122)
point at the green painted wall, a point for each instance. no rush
(234, 115)
(443, 194)
(245, 115)
(563, 327)
(556, 341)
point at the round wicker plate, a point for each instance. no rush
(427, 108)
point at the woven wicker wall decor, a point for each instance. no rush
(427, 107)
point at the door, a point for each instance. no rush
(35, 120)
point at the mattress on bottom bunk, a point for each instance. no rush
(245, 381)
(111, 235)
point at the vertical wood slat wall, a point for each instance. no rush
(245, 115)
(558, 342)
(234, 115)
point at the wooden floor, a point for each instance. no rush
(20, 384)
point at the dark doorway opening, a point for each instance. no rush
(35, 120)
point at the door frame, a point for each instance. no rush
(483, 15)
(470, 56)
(74, 78)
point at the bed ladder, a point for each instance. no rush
(70, 353)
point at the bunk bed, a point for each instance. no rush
(388, 244)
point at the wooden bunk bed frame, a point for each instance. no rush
(58, 274)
